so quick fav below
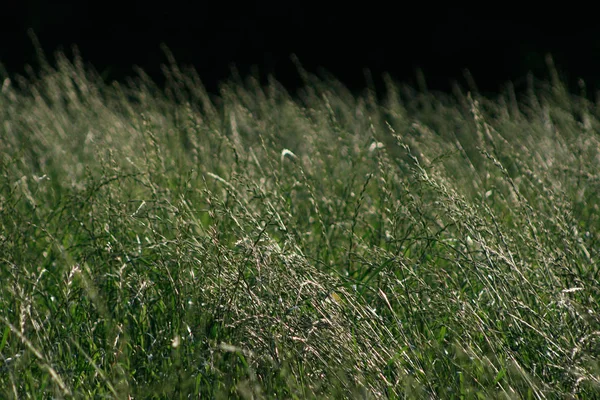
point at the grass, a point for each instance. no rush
(169, 244)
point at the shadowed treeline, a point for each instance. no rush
(442, 42)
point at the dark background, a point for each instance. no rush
(495, 44)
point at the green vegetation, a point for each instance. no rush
(165, 244)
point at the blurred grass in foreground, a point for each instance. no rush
(163, 244)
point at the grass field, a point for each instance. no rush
(168, 244)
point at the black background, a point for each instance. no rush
(496, 43)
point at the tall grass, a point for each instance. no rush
(169, 244)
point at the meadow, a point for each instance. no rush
(161, 242)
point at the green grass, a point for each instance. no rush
(167, 244)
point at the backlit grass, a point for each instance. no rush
(167, 244)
